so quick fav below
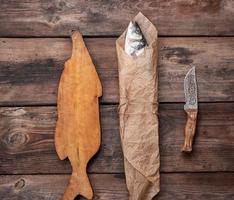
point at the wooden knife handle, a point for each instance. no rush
(189, 129)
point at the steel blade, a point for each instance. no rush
(190, 90)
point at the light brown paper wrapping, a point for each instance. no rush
(138, 83)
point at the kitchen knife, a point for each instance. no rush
(191, 108)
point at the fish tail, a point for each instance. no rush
(78, 185)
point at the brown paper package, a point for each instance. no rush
(138, 83)
(78, 128)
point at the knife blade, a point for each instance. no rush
(191, 108)
(190, 89)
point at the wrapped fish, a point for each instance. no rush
(138, 83)
(77, 133)
(135, 41)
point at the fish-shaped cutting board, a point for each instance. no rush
(78, 127)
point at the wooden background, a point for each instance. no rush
(34, 44)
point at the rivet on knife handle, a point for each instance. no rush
(191, 108)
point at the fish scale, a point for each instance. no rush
(135, 41)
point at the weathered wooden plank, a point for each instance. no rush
(193, 186)
(30, 68)
(59, 18)
(27, 145)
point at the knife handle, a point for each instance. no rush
(189, 130)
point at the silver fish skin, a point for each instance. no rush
(135, 41)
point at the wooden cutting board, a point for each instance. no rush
(78, 127)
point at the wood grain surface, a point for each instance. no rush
(27, 144)
(60, 17)
(34, 44)
(175, 186)
(30, 68)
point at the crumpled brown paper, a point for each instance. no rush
(138, 83)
